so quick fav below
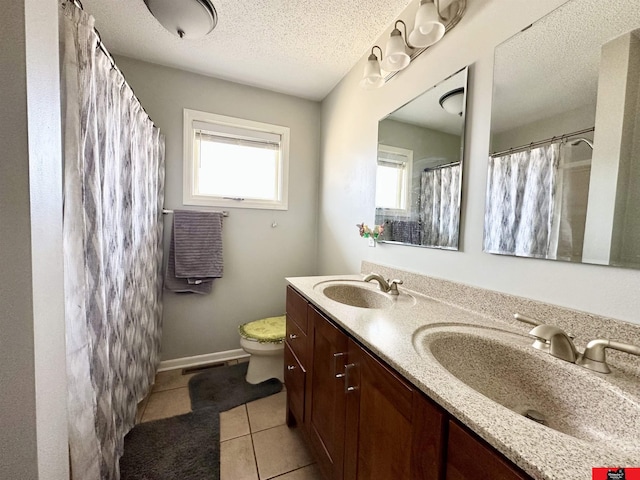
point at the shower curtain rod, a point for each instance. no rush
(452, 164)
(78, 4)
(539, 143)
(223, 212)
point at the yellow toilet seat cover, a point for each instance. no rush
(265, 330)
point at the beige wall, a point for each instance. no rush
(349, 136)
(257, 257)
(33, 428)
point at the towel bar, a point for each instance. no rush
(166, 211)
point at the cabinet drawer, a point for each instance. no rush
(297, 308)
(297, 341)
(469, 458)
(294, 379)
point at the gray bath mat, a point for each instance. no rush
(225, 388)
(185, 447)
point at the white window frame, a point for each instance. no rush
(408, 154)
(190, 196)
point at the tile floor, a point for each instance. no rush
(255, 443)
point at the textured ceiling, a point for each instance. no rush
(297, 47)
(552, 67)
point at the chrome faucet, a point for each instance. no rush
(555, 341)
(594, 357)
(387, 286)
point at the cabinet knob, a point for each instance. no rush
(291, 367)
(292, 336)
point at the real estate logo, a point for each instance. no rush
(615, 473)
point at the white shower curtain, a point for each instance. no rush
(440, 206)
(521, 190)
(113, 196)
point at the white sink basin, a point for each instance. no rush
(503, 367)
(359, 294)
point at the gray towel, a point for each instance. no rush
(195, 251)
(404, 231)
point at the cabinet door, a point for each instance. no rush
(325, 412)
(297, 341)
(294, 379)
(379, 412)
(469, 458)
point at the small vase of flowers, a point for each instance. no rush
(367, 232)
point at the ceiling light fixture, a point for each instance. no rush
(185, 18)
(430, 25)
(453, 101)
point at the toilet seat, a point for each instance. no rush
(265, 330)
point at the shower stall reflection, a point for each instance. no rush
(536, 203)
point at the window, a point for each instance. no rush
(393, 179)
(232, 162)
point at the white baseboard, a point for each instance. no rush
(202, 359)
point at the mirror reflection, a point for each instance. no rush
(564, 174)
(419, 167)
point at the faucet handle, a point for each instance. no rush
(393, 286)
(594, 357)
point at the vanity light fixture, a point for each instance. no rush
(184, 18)
(372, 75)
(453, 101)
(397, 57)
(430, 25)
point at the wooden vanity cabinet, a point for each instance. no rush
(392, 430)
(294, 379)
(326, 400)
(296, 356)
(469, 457)
(363, 420)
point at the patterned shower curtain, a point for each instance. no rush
(113, 196)
(440, 206)
(521, 191)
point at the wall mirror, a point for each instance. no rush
(419, 167)
(564, 170)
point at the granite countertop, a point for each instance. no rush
(542, 452)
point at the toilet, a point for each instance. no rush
(264, 340)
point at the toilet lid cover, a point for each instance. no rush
(265, 330)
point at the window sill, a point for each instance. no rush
(206, 201)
